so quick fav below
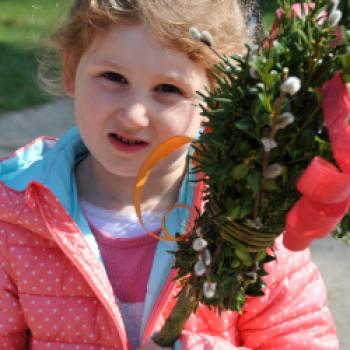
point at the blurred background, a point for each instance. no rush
(24, 26)
(27, 112)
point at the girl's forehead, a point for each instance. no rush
(132, 46)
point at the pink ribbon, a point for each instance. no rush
(325, 189)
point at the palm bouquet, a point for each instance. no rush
(276, 109)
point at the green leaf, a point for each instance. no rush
(244, 256)
(240, 171)
(223, 100)
(307, 139)
(235, 263)
(284, 174)
(229, 203)
(239, 301)
(217, 111)
(233, 209)
(253, 180)
(323, 145)
(247, 204)
(246, 126)
(303, 36)
(345, 59)
(270, 185)
(260, 256)
(244, 149)
(234, 212)
(346, 78)
(265, 102)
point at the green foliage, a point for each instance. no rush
(268, 9)
(246, 210)
(18, 83)
(342, 231)
(23, 26)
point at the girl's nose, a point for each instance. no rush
(134, 116)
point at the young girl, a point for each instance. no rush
(77, 270)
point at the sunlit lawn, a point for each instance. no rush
(268, 10)
(23, 25)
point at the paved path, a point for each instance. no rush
(18, 128)
(332, 257)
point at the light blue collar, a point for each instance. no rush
(49, 162)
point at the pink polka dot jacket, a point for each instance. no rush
(55, 293)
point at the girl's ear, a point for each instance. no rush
(68, 78)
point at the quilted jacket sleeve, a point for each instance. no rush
(292, 315)
(12, 323)
(201, 341)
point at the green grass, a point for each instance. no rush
(268, 8)
(23, 26)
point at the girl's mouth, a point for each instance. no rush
(125, 145)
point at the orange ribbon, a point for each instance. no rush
(159, 153)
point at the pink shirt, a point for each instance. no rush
(128, 263)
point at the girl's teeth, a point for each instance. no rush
(128, 141)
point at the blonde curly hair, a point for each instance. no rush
(167, 20)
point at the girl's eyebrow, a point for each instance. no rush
(176, 79)
(108, 63)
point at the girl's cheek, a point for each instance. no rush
(178, 126)
(104, 99)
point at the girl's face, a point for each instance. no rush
(131, 94)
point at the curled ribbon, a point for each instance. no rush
(325, 189)
(159, 153)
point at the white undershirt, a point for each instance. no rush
(121, 225)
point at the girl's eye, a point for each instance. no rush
(115, 77)
(169, 88)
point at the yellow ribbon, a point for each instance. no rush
(162, 151)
